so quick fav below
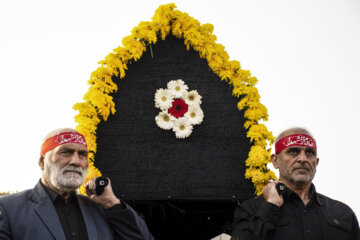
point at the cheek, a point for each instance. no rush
(286, 163)
(314, 164)
(59, 160)
(84, 163)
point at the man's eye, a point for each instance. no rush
(310, 152)
(84, 154)
(293, 151)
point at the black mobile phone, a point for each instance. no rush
(280, 187)
(100, 184)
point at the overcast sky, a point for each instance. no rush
(305, 54)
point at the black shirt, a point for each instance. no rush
(70, 216)
(321, 218)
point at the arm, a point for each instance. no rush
(123, 220)
(257, 218)
(355, 233)
(126, 223)
(4, 224)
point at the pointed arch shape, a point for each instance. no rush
(98, 104)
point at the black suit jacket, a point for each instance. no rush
(31, 215)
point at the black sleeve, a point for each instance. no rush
(255, 219)
(123, 222)
(355, 233)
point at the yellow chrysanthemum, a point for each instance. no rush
(258, 157)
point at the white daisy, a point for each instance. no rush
(164, 120)
(192, 97)
(182, 128)
(163, 98)
(178, 88)
(194, 114)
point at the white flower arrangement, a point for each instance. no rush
(180, 108)
(182, 128)
(195, 115)
(177, 87)
(163, 98)
(164, 120)
(192, 98)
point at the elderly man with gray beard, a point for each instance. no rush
(53, 210)
(294, 210)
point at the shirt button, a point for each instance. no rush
(73, 233)
(308, 231)
(305, 211)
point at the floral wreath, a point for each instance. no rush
(180, 109)
(166, 20)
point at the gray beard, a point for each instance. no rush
(61, 178)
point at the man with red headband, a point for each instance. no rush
(295, 210)
(53, 210)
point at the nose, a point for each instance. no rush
(302, 157)
(75, 159)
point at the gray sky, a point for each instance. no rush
(305, 54)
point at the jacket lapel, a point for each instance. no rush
(46, 211)
(88, 219)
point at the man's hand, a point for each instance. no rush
(107, 199)
(271, 195)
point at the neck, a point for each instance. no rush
(64, 194)
(302, 190)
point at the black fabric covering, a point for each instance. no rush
(183, 187)
(179, 220)
(149, 163)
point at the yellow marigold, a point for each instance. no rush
(101, 101)
(135, 47)
(162, 17)
(145, 31)
(259, 132)
(123, 54)
(105, 86)
(256, 111)
(207, 29)
(258, 157)
(85, 109)
(86, 124)
(249, 123)
(259, 177)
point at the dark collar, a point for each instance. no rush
(314, 196)
(54, 196)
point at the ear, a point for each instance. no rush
(317, 161)
(275, 160)
(41, 162)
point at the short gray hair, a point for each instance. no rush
(293, 129)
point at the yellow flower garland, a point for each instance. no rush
(99, 104)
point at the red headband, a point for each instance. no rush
(62, 138)
(295, 140)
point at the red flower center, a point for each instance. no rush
(178, 108)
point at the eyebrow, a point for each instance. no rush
(83, 151)
(67, 149)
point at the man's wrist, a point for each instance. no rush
(111, 202)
